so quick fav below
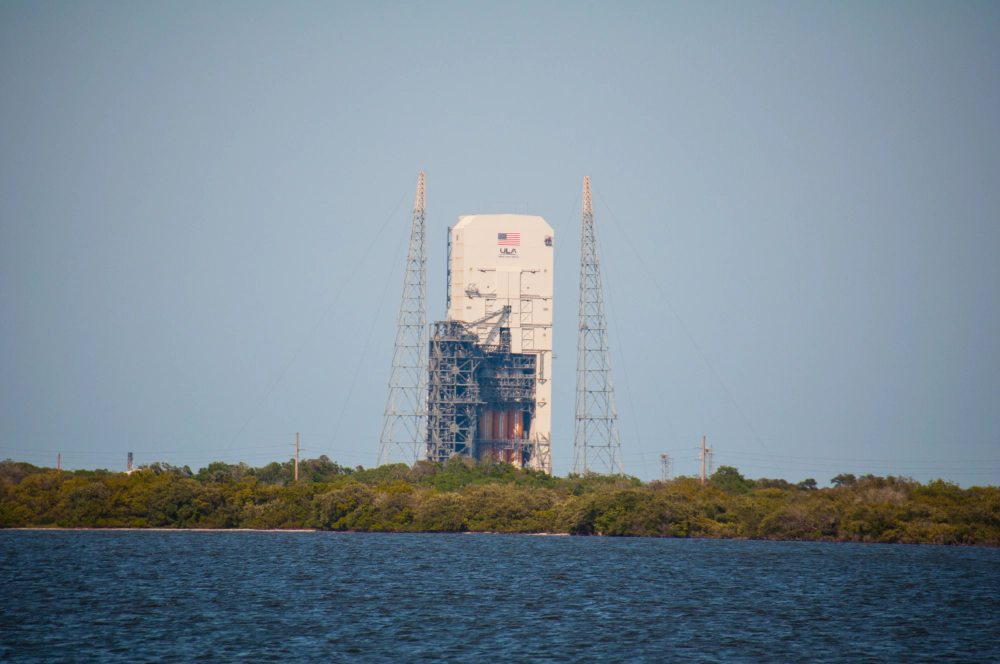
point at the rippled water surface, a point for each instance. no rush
(113, 596)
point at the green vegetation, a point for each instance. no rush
(463, 496)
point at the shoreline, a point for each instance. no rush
(168, 530)
(499, 499)
(468, 532)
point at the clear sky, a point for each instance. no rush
(798, 207)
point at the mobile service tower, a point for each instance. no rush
(490, 361)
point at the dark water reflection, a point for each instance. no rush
(104, 596)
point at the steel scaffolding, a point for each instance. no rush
(472, 382)
(405, 415)
(453, 397)
(596, 443)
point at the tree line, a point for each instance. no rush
(462, 495)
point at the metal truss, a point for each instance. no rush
(468, 379)
(596, 443)
(404, 419)
(453, 397)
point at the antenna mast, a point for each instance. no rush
(597, 447)
(404, 421)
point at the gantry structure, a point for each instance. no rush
(404, 421)
(596, 442)
(481, 396)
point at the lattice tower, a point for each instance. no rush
(596, 443)
(404, 422)
(666, 467)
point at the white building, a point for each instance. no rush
(498, 260)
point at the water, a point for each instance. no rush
(113, 596)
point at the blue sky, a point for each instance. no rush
(797, 208)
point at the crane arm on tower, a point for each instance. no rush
(504, 316)
(480, 321)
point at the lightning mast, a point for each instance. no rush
(596, 444)
(404, 421)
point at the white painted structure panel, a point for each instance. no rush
(502, 260)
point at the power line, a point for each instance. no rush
(621, 353)
(645, 356)
(688, 333)
(316, 324)
(371, 330)
(565, 229)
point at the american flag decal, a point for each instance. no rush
(509, 239)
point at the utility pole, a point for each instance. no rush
(404, 420)
(705, 456)
(597, 446)
(59, 462)
(296, 443)
(666, 467)
(703, 460)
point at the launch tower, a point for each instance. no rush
(490, 361)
